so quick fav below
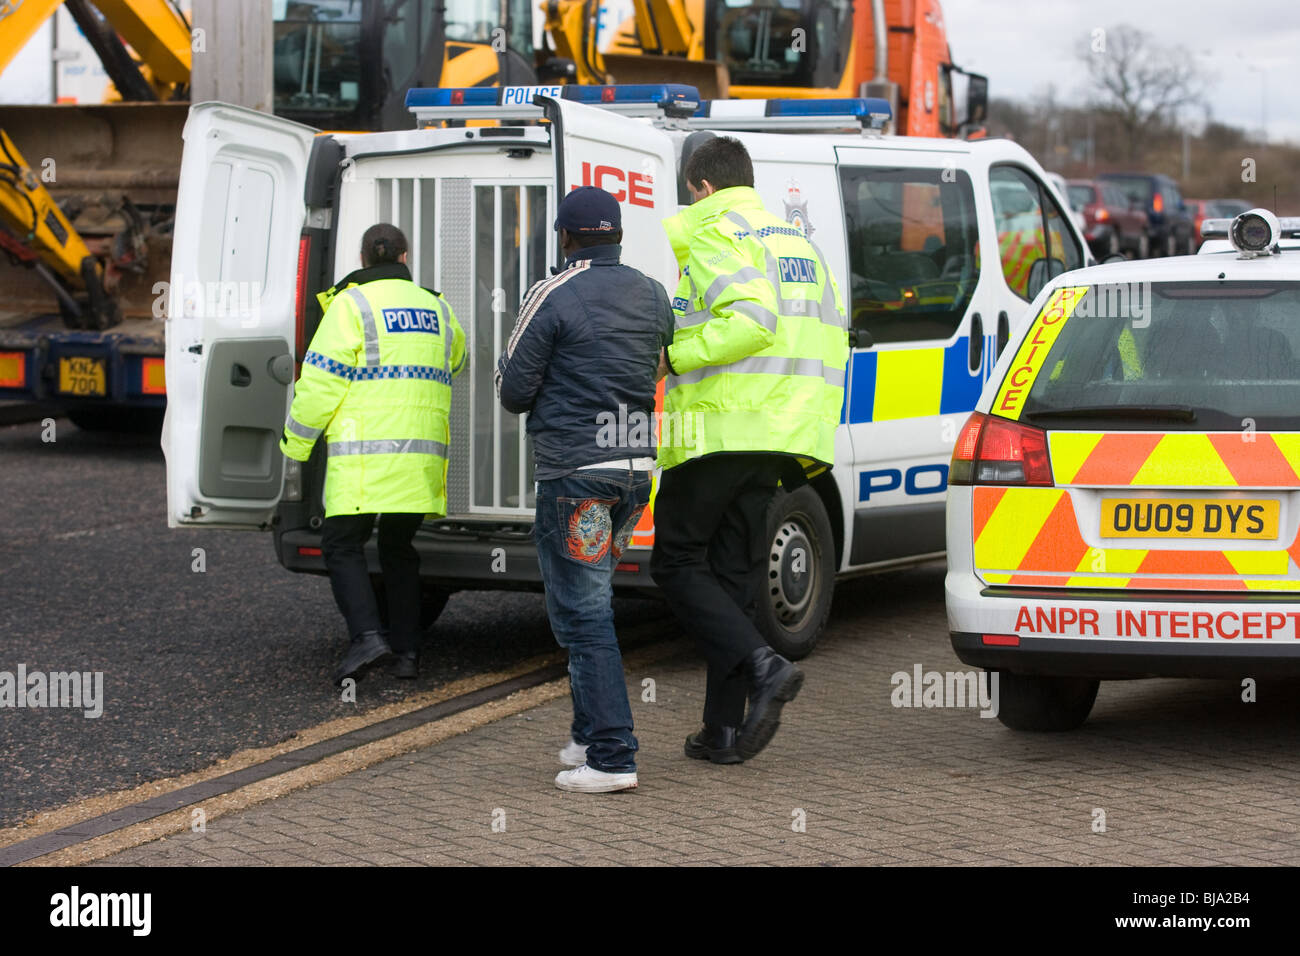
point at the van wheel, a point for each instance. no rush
(798, 575)
(1034, 702)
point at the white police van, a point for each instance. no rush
(937, 246)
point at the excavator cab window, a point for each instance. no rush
(317, 59)
(347, 64)
(781, 42)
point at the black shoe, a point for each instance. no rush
(408, 665)
(773, 681)
(715, 744)
(364, 650)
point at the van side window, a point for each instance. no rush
(1031, 229)
(913, 250)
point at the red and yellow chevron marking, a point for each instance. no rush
(1030, 536)
(1010, 400)
(1176, 459)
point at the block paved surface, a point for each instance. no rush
(1185, 772)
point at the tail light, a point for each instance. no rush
(995, 451)
(1158, 203)
(1103, 214)
(300, 299)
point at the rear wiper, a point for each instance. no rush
(1176, 413)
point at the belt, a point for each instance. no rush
(630, 464)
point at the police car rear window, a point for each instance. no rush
(1177, 356)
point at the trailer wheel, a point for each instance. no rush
(1036, 703)
(104, 418)
(798, 577)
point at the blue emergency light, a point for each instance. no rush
(516, 102)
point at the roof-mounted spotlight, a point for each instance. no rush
(1255, 233)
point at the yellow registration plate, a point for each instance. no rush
(1248, 519)
(81, 375)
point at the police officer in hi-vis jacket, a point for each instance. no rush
(757, 365)
(376, 382)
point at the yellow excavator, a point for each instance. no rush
(772, 49)
(80, 249)
(87, 191)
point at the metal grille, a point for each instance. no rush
(481, 244)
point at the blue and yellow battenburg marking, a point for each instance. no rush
(887, 384)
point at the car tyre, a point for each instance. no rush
(1044, 704)
(1112, 246)
(798, 575)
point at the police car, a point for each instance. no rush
(1125, 499)
(937, 246)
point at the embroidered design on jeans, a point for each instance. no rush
(589, 531)
(625, 533)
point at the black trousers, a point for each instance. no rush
(343, 540)
(710, 546)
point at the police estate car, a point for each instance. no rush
(1125, 499)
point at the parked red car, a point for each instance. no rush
(1203, 209)
(1112, 226)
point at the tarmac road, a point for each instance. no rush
(196, 665)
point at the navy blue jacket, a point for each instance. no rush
(582, 361)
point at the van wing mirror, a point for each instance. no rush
(860, 339)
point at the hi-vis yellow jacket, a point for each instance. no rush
(376, 381)
(761, 343)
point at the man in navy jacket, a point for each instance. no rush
(583, 361)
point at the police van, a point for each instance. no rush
(937, 246)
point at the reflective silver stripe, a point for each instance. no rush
(747, 307)
(829, 313)
(773, 267)
(763, 365)
(826, 312)
(718, 285)
(446, 336)
(367, 326)
(692, 318)
(291, 424)
(389, 446)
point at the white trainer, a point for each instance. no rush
(587, 779)
(574, 754)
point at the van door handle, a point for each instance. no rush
(976, 342)
(1004, 331)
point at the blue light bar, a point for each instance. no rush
(673, 99)
(858, 106)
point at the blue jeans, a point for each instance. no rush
(584, 521)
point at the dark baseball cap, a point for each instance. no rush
(589, 210)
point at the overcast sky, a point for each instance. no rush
(1023, 45)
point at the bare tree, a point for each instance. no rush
(1143, 84)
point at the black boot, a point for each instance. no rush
(408, 665)
(715, 744)
(773, 681)
(365, 649)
